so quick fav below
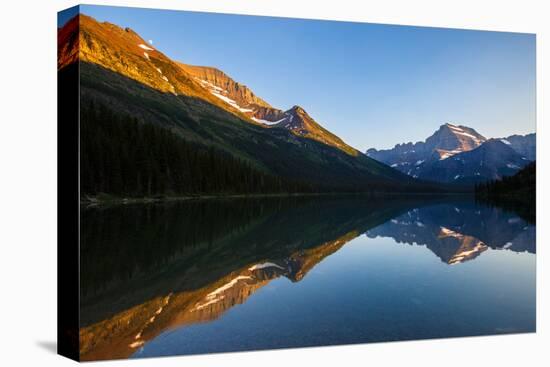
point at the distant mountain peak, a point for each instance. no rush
(451, 139)
(458, 153)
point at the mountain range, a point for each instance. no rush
(459, 154)
(119, 71)
(225, 121)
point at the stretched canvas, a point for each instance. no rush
(234, 183)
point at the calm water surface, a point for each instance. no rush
(233, 275)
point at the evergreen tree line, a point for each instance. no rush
(516, 193)
(123, 156)
(521, 184)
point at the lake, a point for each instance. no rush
(227, 275)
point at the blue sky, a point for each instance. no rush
(373, 85)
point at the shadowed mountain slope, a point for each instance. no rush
(120, 71)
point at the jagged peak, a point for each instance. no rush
(297, 110)
(448, 124)
(451, 127)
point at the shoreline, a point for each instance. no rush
(114, 200)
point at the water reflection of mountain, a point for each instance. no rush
(460, 231)
(148, 269)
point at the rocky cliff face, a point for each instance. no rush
(221, 85)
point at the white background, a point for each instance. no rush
(28, 182)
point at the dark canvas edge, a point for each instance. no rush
(68, 217)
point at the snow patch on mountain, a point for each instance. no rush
(230, 102)
(145, 47)
(266, 122)
(265, 265)
(444, 154)
(219, 93)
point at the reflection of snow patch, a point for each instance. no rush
(457, 258)
(228, 285)
(264, 265)
(446, 232)
(136, 344)
(215, 296)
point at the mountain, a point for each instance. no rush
(459, 154)
(240, 97)
(228, 90)
(120, 72)
(125, 52)
(447, 141)
(300, 123)
(526, 145)
(490, 161)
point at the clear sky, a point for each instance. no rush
(373, 85)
